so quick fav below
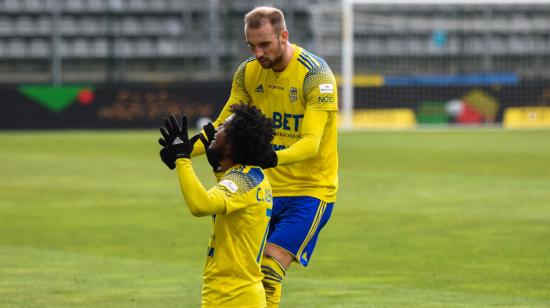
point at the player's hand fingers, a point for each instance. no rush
(194, 139)
(204, 141)
(164, 134)
(184, 124)
(174, 124)
(209, 130)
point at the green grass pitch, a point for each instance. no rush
(456, 218)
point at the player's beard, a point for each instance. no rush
(266, 62)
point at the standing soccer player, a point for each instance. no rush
(240, 204)
(298, 91)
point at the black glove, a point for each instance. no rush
(166, 155)
(269, 160)
(176, 137)
(209, 131)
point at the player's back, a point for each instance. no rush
(232, 275)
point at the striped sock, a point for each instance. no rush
(274, 273)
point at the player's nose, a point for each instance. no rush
(258, 53)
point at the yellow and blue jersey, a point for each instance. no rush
(306, 84)
(232, 274)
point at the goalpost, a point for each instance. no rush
(464, 52)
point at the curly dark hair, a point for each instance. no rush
(250, 134)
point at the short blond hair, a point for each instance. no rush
(262, 14)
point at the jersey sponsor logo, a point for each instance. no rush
(293, 94)
(260, 89)
(275, 87)
(287, 121)
(230, 185)
(325, 99)
(326, 88)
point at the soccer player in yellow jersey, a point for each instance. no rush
(298, 91)
(240, 204)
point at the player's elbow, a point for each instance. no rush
(197, 211)
(313, 148)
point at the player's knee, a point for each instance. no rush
(283, 257)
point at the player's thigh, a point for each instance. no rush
(296, 223)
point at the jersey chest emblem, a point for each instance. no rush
(293, 94)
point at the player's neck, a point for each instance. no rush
(226, 164)
(288, 53)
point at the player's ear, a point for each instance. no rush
(283, 36)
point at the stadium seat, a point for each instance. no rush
(167, 47)
(24, 25)
(130, 25)
(35, 5)
(91, 26)
(3, 49)
(145, 48)
(43, 25)
(6, 26)
(68, 25)
(12, 5)
(99, 48)
(17, 48)
(124, 48)
(96, 6)
(81, 48)
(39, 48)
(136, 5)
(72, 5)
(151, 25)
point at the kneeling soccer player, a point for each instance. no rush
(240, 204)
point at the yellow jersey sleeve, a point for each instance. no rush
(320, 89)
(199, 201)
(307, 147)
(230, 194)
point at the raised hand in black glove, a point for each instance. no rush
(166, 155)
(176, 138)
(209, 131)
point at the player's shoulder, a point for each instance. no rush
(311, 61)
(243, 178)
(248, 63)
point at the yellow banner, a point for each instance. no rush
(364, 80)
(524, 117)
(384, 118)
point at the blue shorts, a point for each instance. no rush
(295, 224)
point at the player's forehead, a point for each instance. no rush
(228, 120)
(265, 32)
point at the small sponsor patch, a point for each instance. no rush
(230, 185)
(326, 88)
(325, 99)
